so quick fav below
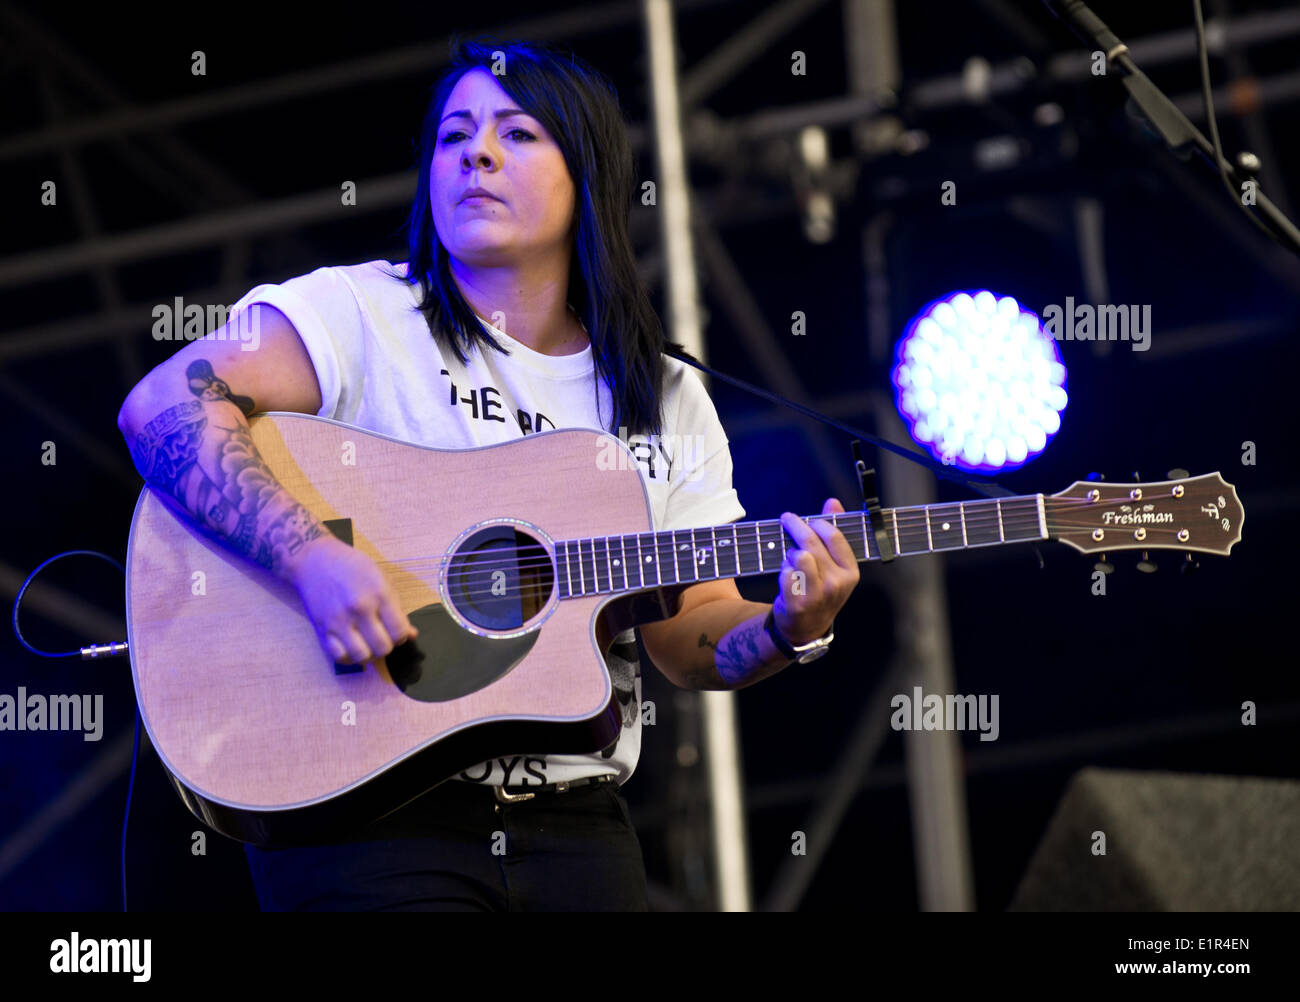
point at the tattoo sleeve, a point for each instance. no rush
(212, 469)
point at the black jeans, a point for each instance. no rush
(457, 849)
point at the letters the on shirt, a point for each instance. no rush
(483, 402)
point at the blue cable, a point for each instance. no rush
(135, 749)
(58, 556)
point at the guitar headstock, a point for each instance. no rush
(1192, 513)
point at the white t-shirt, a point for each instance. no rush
(380, 368)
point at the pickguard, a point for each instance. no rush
(446, 661)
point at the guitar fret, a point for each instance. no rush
(647, 558)
(1026, 520)
(929, 538)
(747, 548)
(622, 559)
(568, 570)
(685, 549)
(600, 564)
(702, 554)
(944, 527)
(609, 568)
(666, 558)
(848, 531)
(1001, 534)
(861, 516)
(982, 530)
(962, 508)
(681, 550)
(768, 533)
(724, 555)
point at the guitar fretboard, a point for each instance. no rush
(605, 564)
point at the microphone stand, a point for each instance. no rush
(1163, 115)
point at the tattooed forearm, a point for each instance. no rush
(168, 442)
(239, 500)
(737, 659)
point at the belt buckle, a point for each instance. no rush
(511, 798)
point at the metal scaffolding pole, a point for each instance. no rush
(936, 786)
(721, 739)
(939, 834)
(915, 588)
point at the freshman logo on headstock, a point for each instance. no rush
(1127, 516)
(1190, 513)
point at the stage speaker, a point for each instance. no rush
(1172, 842)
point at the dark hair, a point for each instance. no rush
(580, 108)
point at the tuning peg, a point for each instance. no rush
(1145, 565)
(1177, 474)
(1136, 476)
(1190, 565)
(1104, 567)
(1095, 476)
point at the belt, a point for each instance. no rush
(504, 796)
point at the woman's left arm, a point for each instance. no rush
(717, 641)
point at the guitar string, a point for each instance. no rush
(667, 547)
(668, 551)
(853, 535)
(980, 519)
(907, 524)
(617, 581)
(615, 574)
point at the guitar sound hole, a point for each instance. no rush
(499, 578)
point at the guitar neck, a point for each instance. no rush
(618, 564)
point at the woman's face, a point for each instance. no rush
(512, 157)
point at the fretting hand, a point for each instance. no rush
(817, 576)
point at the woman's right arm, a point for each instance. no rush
(187, 429)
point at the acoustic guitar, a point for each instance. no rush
(519, 563)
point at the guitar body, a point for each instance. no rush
(267, 741)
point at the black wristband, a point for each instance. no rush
(784, 646)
